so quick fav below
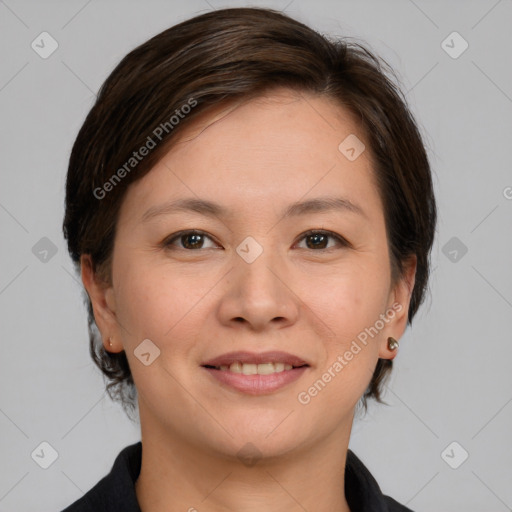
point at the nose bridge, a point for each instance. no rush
(258, 268)
(258, 291)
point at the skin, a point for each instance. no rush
(194, 304)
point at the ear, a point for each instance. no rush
(398, 307)
(102, 299)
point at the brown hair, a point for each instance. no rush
(214, 58)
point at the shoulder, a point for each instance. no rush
(394, 506)
(362, 490)
(115, 491)
(93, 499)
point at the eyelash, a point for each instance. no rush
(168, 242)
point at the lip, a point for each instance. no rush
(255, 358)
(256, 384)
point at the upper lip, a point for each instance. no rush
(254, 358)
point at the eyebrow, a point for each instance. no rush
(211, 209)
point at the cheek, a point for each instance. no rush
(151, 301)
(158, 305)
(348, 302)
(349, 354)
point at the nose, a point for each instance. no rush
(259, 295)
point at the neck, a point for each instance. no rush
(177, 476)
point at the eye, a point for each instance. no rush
(318, 238)
(192, 239)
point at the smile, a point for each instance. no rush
(255, 374)
(254, 369)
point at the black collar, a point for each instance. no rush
(116, 491)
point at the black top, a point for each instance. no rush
(116, 491)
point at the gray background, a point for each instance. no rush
(452, 378)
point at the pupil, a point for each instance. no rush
(193, 236)
(316, 237)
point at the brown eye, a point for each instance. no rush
(316, 239)
(188, 240)
(194, 240)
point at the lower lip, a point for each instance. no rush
(257, 384)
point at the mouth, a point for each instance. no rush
(256, 374)
(250, 363)
(267, 368)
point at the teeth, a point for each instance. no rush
(268, 368)
(236, 368)
(259, 369)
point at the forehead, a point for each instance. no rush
(271, 113)
(281, 146)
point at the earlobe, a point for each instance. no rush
(401, 298)
(393, 346)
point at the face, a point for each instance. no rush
(252, 283)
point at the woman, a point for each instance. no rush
(251, 209)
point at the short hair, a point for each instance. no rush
(210, 60)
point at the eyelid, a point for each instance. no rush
(340, 239)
